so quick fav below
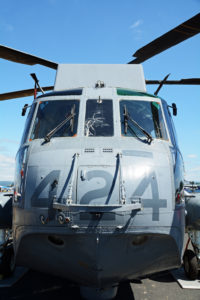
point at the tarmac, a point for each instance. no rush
(32, 285)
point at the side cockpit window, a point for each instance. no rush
(171, 128)
(28, 123)
(99, 118)
(61, 115)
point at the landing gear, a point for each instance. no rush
(191, 259)
(7, 258)
(190, 263)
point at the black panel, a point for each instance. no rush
(76, 92)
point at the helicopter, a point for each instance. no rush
(99, 180)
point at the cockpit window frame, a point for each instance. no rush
(165, 136)
(53, 100)
(73, 92)
(170, 124)
(111, 122)
(29, 123)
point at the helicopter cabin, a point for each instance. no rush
(100, 84)
(105, 101)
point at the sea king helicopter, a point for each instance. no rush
(99, 186)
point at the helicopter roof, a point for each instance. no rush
(71, 76)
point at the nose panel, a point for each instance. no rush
(97, 185)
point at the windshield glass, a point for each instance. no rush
(147, 114)
(99, 118)
(50, 114)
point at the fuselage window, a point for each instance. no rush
(170, 124)
(28, 124)
(147, 114)
(99, 118)
(51, 114)
(19, 173)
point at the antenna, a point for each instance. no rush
(33, 75)
(161, 84)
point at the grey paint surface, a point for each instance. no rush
(75, 76)
(114, 195)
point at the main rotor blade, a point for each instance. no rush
(24, 58)
(173, 37)
(189, 81)
(22, 93)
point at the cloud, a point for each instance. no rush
(193, 174)
(6, 160)
(9, 141)
(192, 156)
(8, 147)
(3, 149)
(196, 169)
(136, 24)
(7, 167)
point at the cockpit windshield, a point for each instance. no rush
(50, 114)
(99, 118)
(147, 114)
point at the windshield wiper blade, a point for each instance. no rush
(126, 126)
(60, 125)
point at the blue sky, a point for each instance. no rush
(91, 31)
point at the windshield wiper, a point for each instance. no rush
(126, 126)
(60, 125)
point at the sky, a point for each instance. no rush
(91, 31)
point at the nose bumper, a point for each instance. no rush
(98, 259)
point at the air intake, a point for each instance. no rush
(89, 150)
(107, 150)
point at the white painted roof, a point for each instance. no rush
(70, 76)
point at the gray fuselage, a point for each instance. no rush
(98, 186)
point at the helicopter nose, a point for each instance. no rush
(97, 185)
